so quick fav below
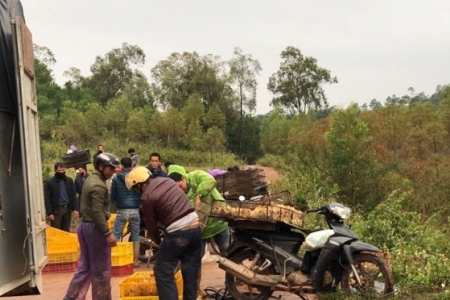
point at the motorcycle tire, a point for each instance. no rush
(367, 266)
(231, 282)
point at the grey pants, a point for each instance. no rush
(62, 219)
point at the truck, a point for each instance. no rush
(23, 249)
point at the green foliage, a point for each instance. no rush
(419, 251)
(351, 158)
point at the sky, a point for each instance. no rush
(374, 48)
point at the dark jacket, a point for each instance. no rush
(95, 202)
(120, 195)
(52, 193)
(163, 201)
(157, 173)
(95, 156)
(79, 181)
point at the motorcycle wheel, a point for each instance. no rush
(241, 290)
(376, 277)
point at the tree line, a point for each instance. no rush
(389, 160)
(191, 101)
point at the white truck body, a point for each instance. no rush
(23, 250)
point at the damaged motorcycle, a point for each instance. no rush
(264, 258)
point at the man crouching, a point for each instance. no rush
(165, 203)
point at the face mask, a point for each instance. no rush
(60, 175)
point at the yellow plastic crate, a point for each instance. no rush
(122, 248)
(64, 251)
(121, 260)
(54, 234)
(144, 284)
(122, 254)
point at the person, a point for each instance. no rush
(99, 150)
(200, 188)
(154, 165)
(82, 175)
(60, 199)
(94, 235)
(134, 157)
(127, 204)
(167, 164)
(162, 201)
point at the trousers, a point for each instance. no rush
(94, 265)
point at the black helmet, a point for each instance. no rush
(106, 159)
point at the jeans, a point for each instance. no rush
(94, 265)
(222, 240)
(178, 246)
(123, 216)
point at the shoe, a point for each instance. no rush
(136, 264)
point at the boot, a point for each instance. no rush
(136, 252)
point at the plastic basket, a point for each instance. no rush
(122, 270)
(144, 284)
(122, 254)
(121, 259)
(60, 267)
(63, 250)
(54, 234)
(122, 248)
(233, 184)
(75, 159)
(267, 210)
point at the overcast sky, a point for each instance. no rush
(375, 48)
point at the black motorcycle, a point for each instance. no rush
(264, 259)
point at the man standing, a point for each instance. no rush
(99, 150)
(134, 157)
(94, 235)
(82, 175)
(154, 166)
(60, 199)
(164, 202)
(127, 204)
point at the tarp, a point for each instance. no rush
(8, 98)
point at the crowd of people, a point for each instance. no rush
(174, 203)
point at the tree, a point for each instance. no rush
(298, 83)
(243, 71)
(352, 160)
(113, 71)
(214, 140)
(181, 76)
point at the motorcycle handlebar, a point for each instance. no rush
(312, 210)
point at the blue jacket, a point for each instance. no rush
(157, 173)
(121, 196)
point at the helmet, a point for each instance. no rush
(137, 175)
(106, 159)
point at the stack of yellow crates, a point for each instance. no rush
(142, 286)
(63, 251)
(122, 259)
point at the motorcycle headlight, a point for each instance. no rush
(340, 210)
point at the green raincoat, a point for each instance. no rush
(202, 183)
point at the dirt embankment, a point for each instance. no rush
(271, 174)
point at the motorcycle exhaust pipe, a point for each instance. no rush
(245, 274)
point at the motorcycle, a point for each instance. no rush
(264, 258)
